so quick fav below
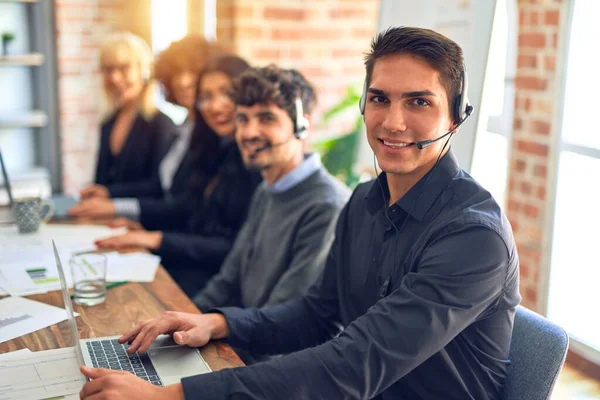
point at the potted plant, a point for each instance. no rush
(7, 37)
(339, 154)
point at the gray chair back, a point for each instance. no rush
(537, 353)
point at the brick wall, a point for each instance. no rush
(80, 28)
(536, 102)
(325, 40)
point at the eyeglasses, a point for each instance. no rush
(120, 68)
(208, 99)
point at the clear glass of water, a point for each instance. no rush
(89, 278)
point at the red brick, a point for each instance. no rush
(531, 211)
(280, 13)
(261, 54)
(532, 40)
(550, 63)
(345, 53)
(540, 171)
(520, 165)
(540, 127)
(541, 193)
(551, 17)
(249, 32)
(243, 12)
(304, 34)
(525, 187)
(534, 18)
(517, 123)
(527, 104)
(533, 148)
(514, 205)
(362, 33)
(530, 295)
(531, 82)
(523, 269)
(338, 13)
(526, 61)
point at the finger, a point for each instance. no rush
(195, 337)
(152, 330)
(94, 373)
(129, 334)
(118, 223)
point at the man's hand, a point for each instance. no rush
(94, 191)
(107, 384)
(95, 208)
(125, 223)
(145, 239)
(187, 329)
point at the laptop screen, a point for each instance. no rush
(68, 306)
(6, 181)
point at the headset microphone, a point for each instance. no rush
(424, 143)
(270, 145)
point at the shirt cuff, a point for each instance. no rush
(206, 386)
(127, 207)
(240, 322)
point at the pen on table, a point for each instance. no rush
(109, 286)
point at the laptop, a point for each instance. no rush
(61, 203)
(165, 362)
(6, 214)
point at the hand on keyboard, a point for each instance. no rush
(194, 330)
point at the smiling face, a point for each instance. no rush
(122, 76)
(406, 103)
(216, 106)
(260, 126)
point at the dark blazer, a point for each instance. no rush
(193, 248)
(146, 144)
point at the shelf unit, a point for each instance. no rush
(32, 60)
(42, 118)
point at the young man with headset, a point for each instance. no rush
(422, 275)
(282, 246)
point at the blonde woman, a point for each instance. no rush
(178, 70)
(134, 134)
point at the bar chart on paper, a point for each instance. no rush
(6, 320)
(39, 276)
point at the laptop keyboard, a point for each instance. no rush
(113, 355)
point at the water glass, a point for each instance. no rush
(89, 278)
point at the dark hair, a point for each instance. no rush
(443, 54)
(206, 145)
(273, 85)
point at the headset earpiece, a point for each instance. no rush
(302, 123)
(462, 108)
(363, 99)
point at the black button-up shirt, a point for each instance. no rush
(443, 330)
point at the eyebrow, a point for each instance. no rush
(416, 93)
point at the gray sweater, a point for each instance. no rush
(282, 246)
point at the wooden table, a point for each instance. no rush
(125, 306)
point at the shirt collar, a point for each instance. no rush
(310, 165)
(435, 181)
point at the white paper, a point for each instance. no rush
(40, 375)
(131, 267)
(19, 316)
(13, 354)
(32, 277)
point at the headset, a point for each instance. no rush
(301, 125)
(461, 110)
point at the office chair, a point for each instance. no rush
(537, 353)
